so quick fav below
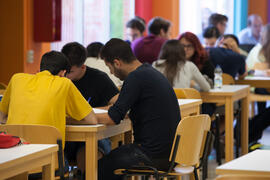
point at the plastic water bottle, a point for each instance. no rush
(218, 77)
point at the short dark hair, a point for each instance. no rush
(75, 53)
(136, 23)
(93, 49)
(117, 49)
(156, 24)
(54, 62)
(216, 18)
(231, 36)
(210, 32)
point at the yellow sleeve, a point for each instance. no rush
(4, 104)
(76, 106)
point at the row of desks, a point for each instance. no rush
(20, 159)
(90, 134)
(228, 94)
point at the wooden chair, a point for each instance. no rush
(39, 134)
(227, 79)
(187, 93)
(242, 177)
(180, 94)
(187, 155)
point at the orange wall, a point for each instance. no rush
(168, 9)
(16, 21)
(258, 7)
(11, 44)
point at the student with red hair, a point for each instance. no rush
(196, 53)
(199, 56)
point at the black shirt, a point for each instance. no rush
(154, 110)
(230, 62)
(208, 69)
(96, 87)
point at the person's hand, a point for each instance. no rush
(231, 44)
(267, 72)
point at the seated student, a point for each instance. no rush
(45, 98)
(146, 49)
(177, 69)
(252, 33)
(199, 56)
(230, 41)
(258, 62)
(230, 62)
(218, 20)
(135, 28)
(95, 62)
(153, 109)
(96, 87)
(210, 35)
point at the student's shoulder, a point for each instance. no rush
(20, 76)
(94, 72)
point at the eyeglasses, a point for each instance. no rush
(188, 46)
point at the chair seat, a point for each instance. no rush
(183, 170)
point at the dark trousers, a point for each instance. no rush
(208, 108)
(125, 156)
(258, 124)
(261, 105)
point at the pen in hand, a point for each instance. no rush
(89, 100)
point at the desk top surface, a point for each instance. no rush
(254, 161)
(21, 151)
(183, 102)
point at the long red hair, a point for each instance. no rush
(200, 54)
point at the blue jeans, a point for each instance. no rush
(71, 148)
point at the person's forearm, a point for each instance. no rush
(104, 118)
(3, 118)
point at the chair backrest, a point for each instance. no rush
(192, 93)
(192, 131)
(242, 177)
(180, 93)
(38, 134)
(227, 79)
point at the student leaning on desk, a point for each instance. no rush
(153, 109)
(45, 98)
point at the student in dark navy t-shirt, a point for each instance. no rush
(153, 109)
(96, 87)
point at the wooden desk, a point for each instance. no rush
(90, 134)
(255, 81)
(23, 158)
(228, 94)
(253, 163)
(189, 106)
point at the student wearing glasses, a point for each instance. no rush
(198, 55)
(180, 72)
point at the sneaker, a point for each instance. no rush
(253, 146)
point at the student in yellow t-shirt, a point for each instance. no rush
(45, 98)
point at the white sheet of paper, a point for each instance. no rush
(97, 111)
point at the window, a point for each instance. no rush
(194, 14)
(86, 21)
